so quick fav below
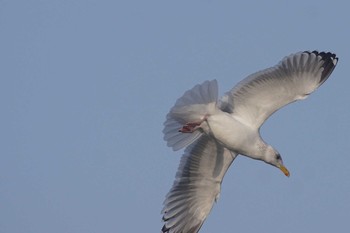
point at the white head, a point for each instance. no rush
(274, 158)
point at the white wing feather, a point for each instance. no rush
(259, 95)
(197, 186)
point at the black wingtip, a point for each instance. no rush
(330, 61)
(165, 229)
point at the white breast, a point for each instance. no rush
(232, 134)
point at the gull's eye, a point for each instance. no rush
(278, 157)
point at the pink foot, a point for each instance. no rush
(189, 127)
(192, 126)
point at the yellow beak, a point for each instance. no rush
(284, 170)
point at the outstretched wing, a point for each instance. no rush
(259, 95)
(196, 187)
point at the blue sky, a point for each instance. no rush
(85, 87)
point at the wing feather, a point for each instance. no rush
(197, 185)
(259, 95)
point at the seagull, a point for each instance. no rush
(215, 131)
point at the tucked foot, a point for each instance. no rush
(192, 126)
(189, 127)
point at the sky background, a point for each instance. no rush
(85, 87)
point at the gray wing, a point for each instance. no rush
(196, 187)
(259, 95)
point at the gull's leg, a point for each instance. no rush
(190, 127)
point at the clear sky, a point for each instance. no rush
(85, 87)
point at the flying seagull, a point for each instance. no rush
(215, 131)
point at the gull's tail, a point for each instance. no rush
(193, 106)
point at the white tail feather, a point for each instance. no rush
(193, 106)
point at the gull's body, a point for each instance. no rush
(215, 131)
(243, 139)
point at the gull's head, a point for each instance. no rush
(274, 158)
